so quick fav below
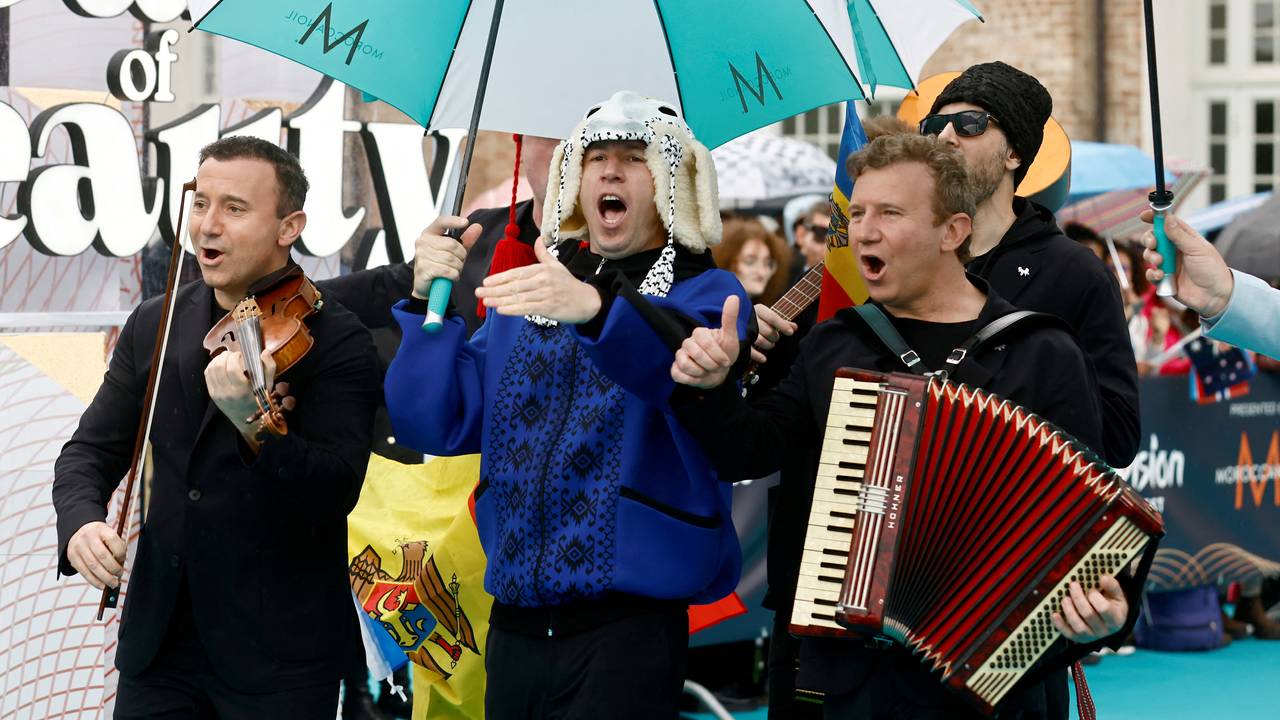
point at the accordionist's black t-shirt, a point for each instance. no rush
(934, 341)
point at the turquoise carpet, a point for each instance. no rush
(1240, 682)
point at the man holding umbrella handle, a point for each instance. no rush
(600, 519)
(1161, 199)
(1234, 307)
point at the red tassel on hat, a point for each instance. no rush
(510, 252)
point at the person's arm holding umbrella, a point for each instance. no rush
(1234, 307)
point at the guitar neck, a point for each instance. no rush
(802, 294)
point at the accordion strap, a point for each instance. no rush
(889, 335)
(992, 331)
(1084, 698)
(999, 327)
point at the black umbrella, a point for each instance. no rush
(1251, 243)
(1161, 198)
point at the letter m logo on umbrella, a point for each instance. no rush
(757, 92)
(357, 31)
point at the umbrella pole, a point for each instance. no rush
(438, 295)
(1115, 262)
(1161, 199)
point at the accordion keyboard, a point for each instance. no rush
(836, 495)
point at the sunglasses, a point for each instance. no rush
(968, 123)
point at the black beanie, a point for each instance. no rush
(1019, 102)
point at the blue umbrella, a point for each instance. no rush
(1213, 218)
(1098, 168)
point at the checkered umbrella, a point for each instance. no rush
(764, 170)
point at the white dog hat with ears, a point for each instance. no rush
(684, 178)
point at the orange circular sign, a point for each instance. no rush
(1047, 180)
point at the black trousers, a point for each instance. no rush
(893, 685)
(629, 668)
(181, 684)
(784, 661)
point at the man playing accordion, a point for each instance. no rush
(910, 219)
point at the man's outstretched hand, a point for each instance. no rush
(545, 288)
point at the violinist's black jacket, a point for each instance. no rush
(256, 545)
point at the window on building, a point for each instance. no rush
(1264, 145)
(1218, 32)
(824, 126)
(1265, 15)
(1217, 151)
(210, 68)
(877, 108)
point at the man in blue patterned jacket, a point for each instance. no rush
(601, 517)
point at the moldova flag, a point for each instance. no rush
(842, 284)
(417, 573)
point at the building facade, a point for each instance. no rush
(1219, 73)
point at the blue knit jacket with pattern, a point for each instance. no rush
(588, 483)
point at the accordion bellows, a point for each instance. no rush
(952, 521)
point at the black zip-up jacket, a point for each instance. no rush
(1036, 267)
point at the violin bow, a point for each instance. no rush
(111, 595)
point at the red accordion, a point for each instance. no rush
(951, 521)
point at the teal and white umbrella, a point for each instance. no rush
(894, 38)
(730, 65)
(534, 66)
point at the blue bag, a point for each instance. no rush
(1176, 620)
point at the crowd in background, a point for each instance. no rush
(771, 252)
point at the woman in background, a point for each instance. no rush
(1154, 327)
(761, 259)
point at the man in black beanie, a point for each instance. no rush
(995, 115)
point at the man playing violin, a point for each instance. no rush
(239, 603)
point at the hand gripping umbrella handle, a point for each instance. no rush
(437, 303)
(438, 293)
(1168, 286)
(1161, 199)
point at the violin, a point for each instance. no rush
(270, 320)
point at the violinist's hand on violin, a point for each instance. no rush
(230, 390)
(545, 288)
(439, 256)
(97, 553)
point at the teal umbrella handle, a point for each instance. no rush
(1161, 198)
(1168, 286)
(438, 293)
(437, 303)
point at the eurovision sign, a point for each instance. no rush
(1213, 470)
